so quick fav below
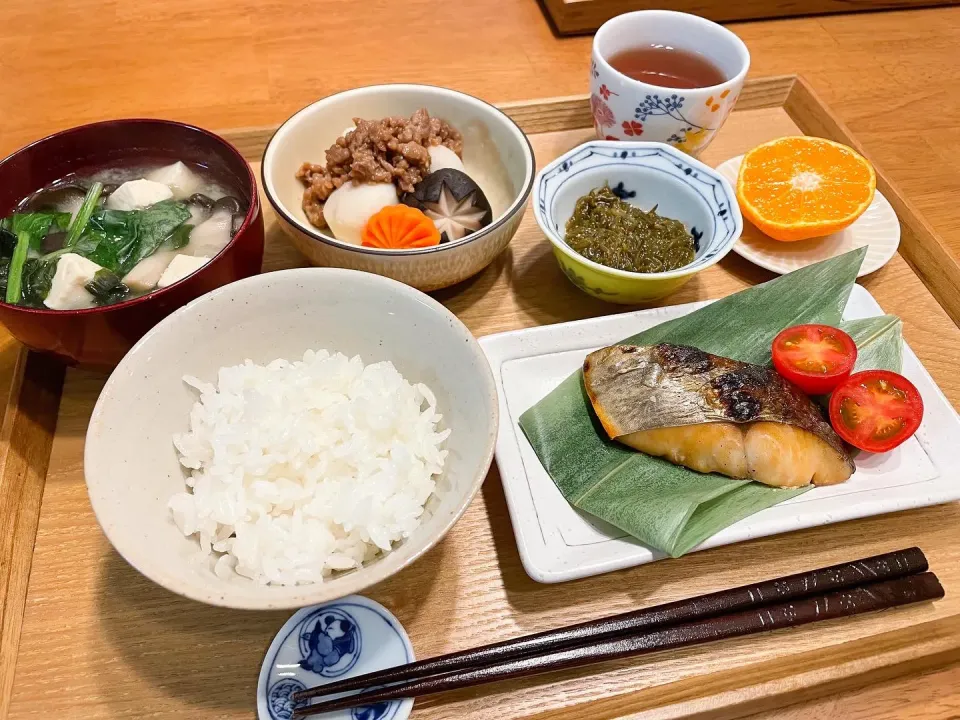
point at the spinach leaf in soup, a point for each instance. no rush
(114, 239)
(36, 225)
(29, 230)
(37, 278)
(158, 223)
(181, 236)
(119, 239)
(111, 238)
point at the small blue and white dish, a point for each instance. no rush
(645, 174)
(339, 640)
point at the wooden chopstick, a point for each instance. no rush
(846, 603)
(837, 577)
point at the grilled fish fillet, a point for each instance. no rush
(713, 414)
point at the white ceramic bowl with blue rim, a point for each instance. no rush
(324, 643)
(645, 174)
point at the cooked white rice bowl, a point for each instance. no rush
(297, 470)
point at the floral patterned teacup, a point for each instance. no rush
(628, 109)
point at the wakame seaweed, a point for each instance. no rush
(8, 242)
(106, 287)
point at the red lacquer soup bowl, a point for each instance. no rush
(100, 336)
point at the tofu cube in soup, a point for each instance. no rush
(181, 180)
(68, 289)
(138, 194)
(179, 268)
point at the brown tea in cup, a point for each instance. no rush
(667, 66)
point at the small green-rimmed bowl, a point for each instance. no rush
(645, 174)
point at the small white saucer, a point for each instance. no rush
(342, 639)
(878, 228)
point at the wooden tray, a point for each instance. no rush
(577, 17)
(85, 636)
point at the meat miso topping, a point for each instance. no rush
(390, 150)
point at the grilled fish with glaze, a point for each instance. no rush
(713, 414)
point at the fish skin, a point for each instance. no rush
(634, 387)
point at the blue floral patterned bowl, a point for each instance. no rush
(645, 174)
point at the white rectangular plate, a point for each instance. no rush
(558, 542)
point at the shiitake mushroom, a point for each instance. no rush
(228, 203)
(201, 200)
(454, 202)
(52, 241)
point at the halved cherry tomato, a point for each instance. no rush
(816, 358)
(876, 410)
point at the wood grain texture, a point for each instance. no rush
(245, 63)
(574, 17)
(26, 436)
(915, 698)
(242, 63)
(926, 252)
(117, 643)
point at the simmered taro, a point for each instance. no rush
(350, 207)
(611, 232)
(454, 202)
(117, 233)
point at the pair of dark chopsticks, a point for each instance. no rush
(875, 583)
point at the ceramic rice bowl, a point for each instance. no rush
(132, 468)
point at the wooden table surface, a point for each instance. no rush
(890, 77)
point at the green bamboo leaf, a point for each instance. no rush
(879, 342)
(667, 506)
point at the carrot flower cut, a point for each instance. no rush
(400, 227)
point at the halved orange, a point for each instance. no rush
(796, 188)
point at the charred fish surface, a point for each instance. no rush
(635, 389)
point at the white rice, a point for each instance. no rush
(301, 469)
